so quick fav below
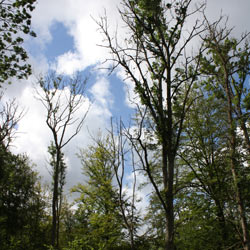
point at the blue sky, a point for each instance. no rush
(67, 39)
(61, 43)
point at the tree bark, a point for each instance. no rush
(234, 163)
(170, 207)
(54, 208)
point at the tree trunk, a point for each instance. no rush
(222, 224)
(170, 207)
(234, 163)
(168, 175)
(54, 209)
(55, 212)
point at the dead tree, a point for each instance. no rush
(121, 150)
(62, 97)
(123, 162)
(10, 115)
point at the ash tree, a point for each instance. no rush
(155, 59)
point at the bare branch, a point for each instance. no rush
(10, 115)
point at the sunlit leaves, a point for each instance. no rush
(15, 20)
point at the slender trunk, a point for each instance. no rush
(54, 208)
(170, 207)
(222, 224)
(168, 158)
(55, 203)
(234, 163)
(58, 218)
(132, 241)
(168, 176)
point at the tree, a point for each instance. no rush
(124, 163)
(23, 220)
(154, 59)
(58, 175)
(227, 65)
(62, 97)
(205, 175)
(98, 214)
(9, 118)
(15, 21)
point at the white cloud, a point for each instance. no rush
(141, 194)
(68, 63)
(101, 93)
(78, 17)
(33, 136)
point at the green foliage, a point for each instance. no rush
(15, 22)
(98, 218)
(58, 166)
(228, 76)
(204, 209)
(189, 121)
(23, 220)
(156, 222)
(198, 226)
(204, 203)
(227, 60)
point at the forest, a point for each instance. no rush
(188, 139)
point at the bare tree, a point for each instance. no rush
(10, 115)
(121, 150)
(123, 163)
(62, 97)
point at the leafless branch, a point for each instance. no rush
(10, 115)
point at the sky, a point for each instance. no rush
(67, 39)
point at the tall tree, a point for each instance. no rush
(154, 59)
(227, 65)
(62, 97)
(15, 21)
